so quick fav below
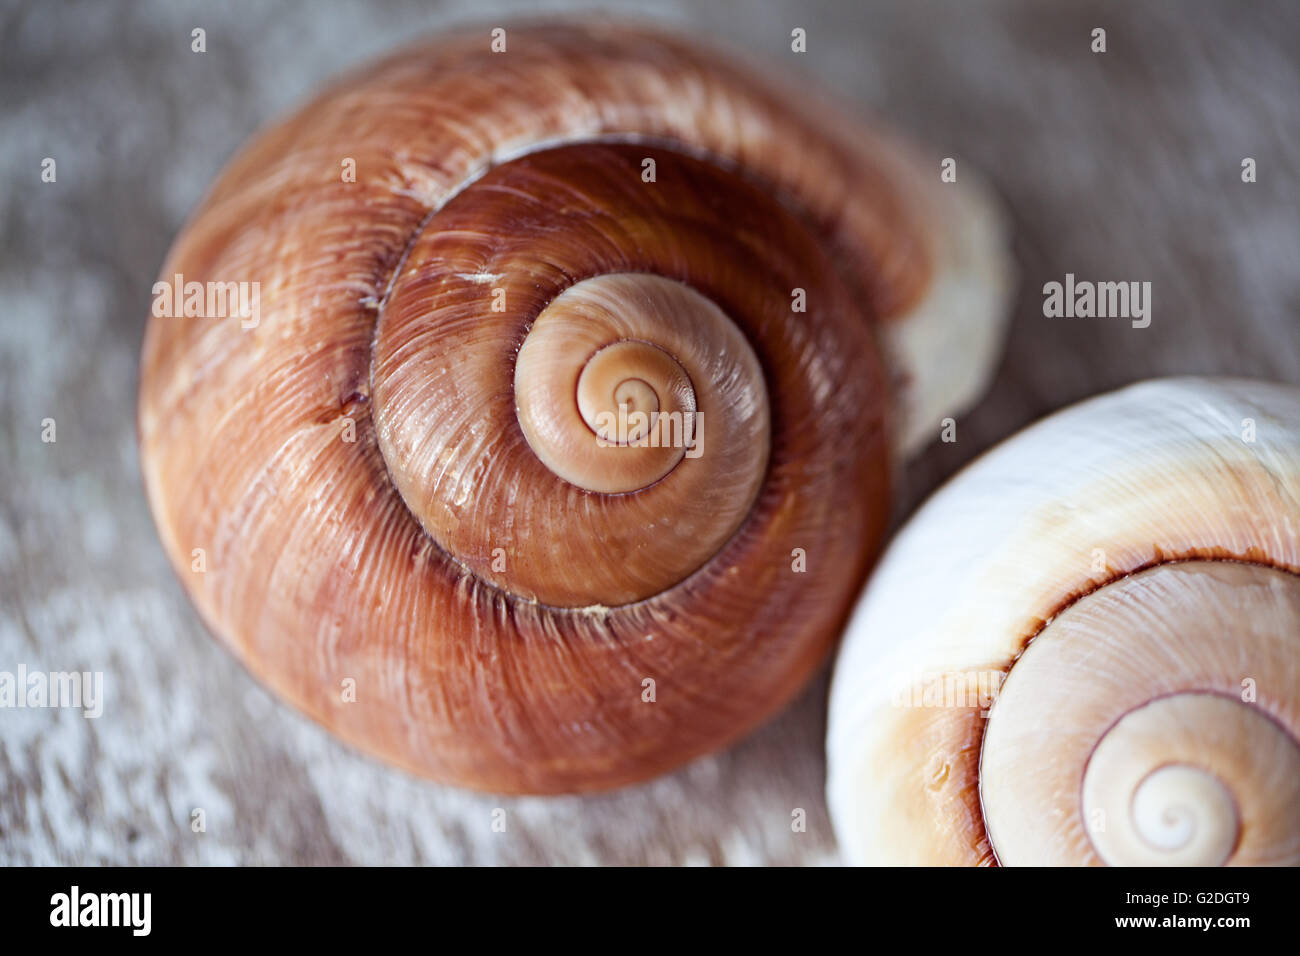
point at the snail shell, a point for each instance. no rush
(409, 475)
(1085, 649)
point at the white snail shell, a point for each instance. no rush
(1119, 582)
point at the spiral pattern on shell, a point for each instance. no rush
(504, 481)
(1106, 670)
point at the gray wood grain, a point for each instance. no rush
(1117, 166)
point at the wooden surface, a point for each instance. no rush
(1122, 166)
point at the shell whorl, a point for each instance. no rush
(586, 372)
(1134, 693)
(1130, 622)
(478, 412)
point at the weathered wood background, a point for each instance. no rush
(1117, 166)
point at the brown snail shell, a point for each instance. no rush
(392, 475)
